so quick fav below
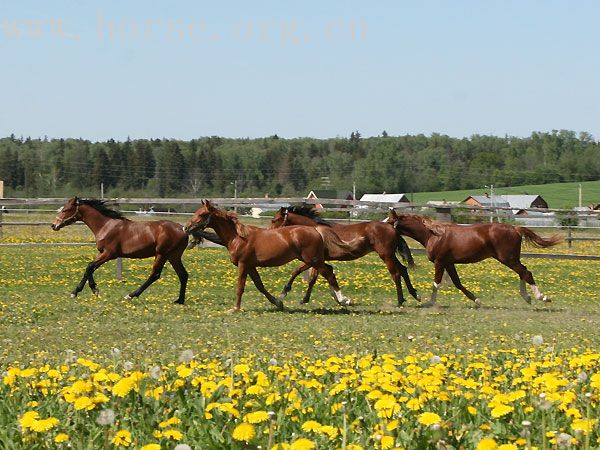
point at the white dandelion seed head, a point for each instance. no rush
(435, 426)
(272, 362)
(115, 352)
(70, 356)
(127, 366)
(526, 423)
(542, 395)
(378, 437)
(228, 362)
(563, 440)
(549, 349)
(182, 447)
(186, 356)
(106, 417)
(582, 377)
(588, 395)
(435, 359)
(155, 372)
(537, 340)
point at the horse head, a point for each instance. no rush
(68, 213)
(280, 218)
(201, 218)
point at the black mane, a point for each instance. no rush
(100, 206)
(308, 211)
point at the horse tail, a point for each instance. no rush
(403, 250)
(200, 235)
(538, 241)
(334, 244)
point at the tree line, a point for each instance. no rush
(214, 166)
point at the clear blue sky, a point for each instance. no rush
(453, 67)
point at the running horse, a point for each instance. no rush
(251, 247)
(369, 236)
(117, 236)
(449, 244)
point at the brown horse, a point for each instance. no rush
(368, 237)
(251, 247)
(117, 236)
(449, 244)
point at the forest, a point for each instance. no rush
(273, 166)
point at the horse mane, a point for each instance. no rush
(240, 228)
(437, 228)
(100, 206)
(310, 212)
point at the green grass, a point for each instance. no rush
(558, 195)
(37, 314)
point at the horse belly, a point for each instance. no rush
(140, 245)
(273, 257)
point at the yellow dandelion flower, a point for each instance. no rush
(429, 418)
(150, 447)
(244, 432)
(28, 419)
(84, 403)
(123, 437)
(256, 417)
(43, 425)
(501, 410)
(176, 435)
(311, 425)
(302, 444)
(584, 425)
(472, 410)
(123, 387)
(330, 431)
(508, 447)
(487, 444)
(387, 442)
(61, 437)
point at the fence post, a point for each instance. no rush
(1, 236)
(120, 269)
(569, 238)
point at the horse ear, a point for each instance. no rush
(209, 205)
(393, 213)
(282, 210)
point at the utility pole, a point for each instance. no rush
(102, 191)
(491, 186)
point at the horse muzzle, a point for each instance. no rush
(56, 226)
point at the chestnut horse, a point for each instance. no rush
(117, 236)
(449, 244)
(251, 247)
(369, 236)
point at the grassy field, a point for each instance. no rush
(313, 376)
(558, 195)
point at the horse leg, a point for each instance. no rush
(437, 282)
(326, 271)
(261, 287)
(241, 284)
(177, 265)
(526, 277)
(314, 274)
(398, 271)
(451, 270)
(87, 275)
(159, 262)
(288, 287)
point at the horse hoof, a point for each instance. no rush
(546, 299)
(96, 292)
(128, 297)
(304, 301)
(234, 310)
(73, 295)
(528, 300)
(178, 302)
(477, 303)
(346, 301)
(430, 304)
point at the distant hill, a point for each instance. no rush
(558, 195)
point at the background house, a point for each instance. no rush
(380, 198)
(330, 194)
(518, 203)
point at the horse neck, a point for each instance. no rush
(298, 219)
(224, 228)
(418, 232)
(93, 218)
